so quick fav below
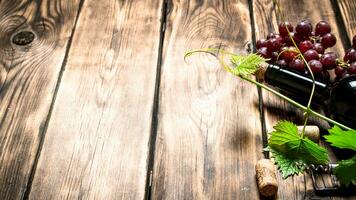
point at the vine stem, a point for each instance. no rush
(307, 112)
(291, 101)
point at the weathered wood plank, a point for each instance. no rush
(266, 20)
(209, 131)
(96, 146)
(28, 78)
(348, 13)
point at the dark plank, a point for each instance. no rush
(209, 131)
(267, 17)
(266, 22)
(348, 13)
(28, 77)
(96, 146)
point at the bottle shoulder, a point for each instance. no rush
(343, 101)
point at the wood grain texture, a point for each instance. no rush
(267, 18)
(348, 13)
(28, 77)
(96, 146)
(209, 131)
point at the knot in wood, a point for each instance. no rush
(23, 38)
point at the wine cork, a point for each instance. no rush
(260, 73)
(266, 177)
(311, 132)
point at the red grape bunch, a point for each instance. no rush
(348, 67)
(281, 50)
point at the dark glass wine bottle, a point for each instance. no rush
(339, 99)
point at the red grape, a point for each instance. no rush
(339, 71)
(318, 47)
(283, 28)
(352, 68)
(315, 66)
(305, 46)
(263, 51)
(279, 38)
(297, 64)
(282, 63)
(311, 55)
(328, 60)
(273, 44)
(304, 28)
(261, 43)
(328, 40)
(322, 28)
(289, 53)
(295, 37)
(350, 55)
(270, 35)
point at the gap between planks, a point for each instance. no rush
(38, 153)
(155, 109)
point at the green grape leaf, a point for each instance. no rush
(291, 147)
(287, 165)
(286, 139)
(287, 128)
(314, 154)
(342, 139)
(346, 171)
(246, 65)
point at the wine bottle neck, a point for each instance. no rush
(296, 85)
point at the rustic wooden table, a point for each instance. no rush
(101, 105)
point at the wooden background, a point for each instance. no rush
(101, 105)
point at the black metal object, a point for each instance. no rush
(325, 175)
